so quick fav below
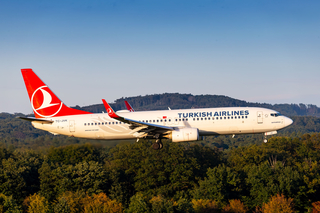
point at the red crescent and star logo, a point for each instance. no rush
(44, 103)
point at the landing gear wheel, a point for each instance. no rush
(156, 146)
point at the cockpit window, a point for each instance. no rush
(275, 114)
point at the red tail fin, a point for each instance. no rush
(129, 107)
(44, 102)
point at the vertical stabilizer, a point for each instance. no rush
(44, 102)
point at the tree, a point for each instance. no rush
(205, 206)
(138, 204)
(8, 204)
(88, 177)
(279, 204)
(316, 207)
(160, 204)
(235, 206)
(69, 202)
(36, 204)
(100, 203)
(264, 181)
(169, 172)
(221, 184)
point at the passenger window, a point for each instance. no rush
(228, 117)
(169, 120)
(186, 119)
(194, 119)
(161, 120)
(98, 123)
(225, 117)
(246, 116)
(157, 121)
(242, 116)
(179, 119)
(154, 121)
(112, 122)
(95, 123)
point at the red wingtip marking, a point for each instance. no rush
(129, 107)
(110, 111)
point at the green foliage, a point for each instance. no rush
(8, 204)
(62, 206)
(221, 184)
(152, 172)
(74, 154)
(89, 177)
(138, 204)
(265, 181)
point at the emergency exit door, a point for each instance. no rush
(71, 126)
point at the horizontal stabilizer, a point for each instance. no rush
(36, 120)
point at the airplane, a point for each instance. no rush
(183, 125)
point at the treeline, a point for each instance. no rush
(187, 101)
(21, 134)
(284, 173)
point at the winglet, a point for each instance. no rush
(129, 107)
(110, 111)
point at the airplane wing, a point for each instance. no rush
(138, 126)
(36, 119)
(129, 107)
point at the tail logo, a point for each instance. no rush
(43, 104)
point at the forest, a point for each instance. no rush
(40, 172)
(187, 101)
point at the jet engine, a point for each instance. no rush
(184, 134)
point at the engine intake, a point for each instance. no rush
(185, 134)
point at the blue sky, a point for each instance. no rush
(259, 51)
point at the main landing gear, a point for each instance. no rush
(157, 145)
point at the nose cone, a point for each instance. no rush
(288, 121)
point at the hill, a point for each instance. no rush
(186, 101)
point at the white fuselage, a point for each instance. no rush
(209, 121)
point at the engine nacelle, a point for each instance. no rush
(185, 134)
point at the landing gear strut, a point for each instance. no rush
(157, 145)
